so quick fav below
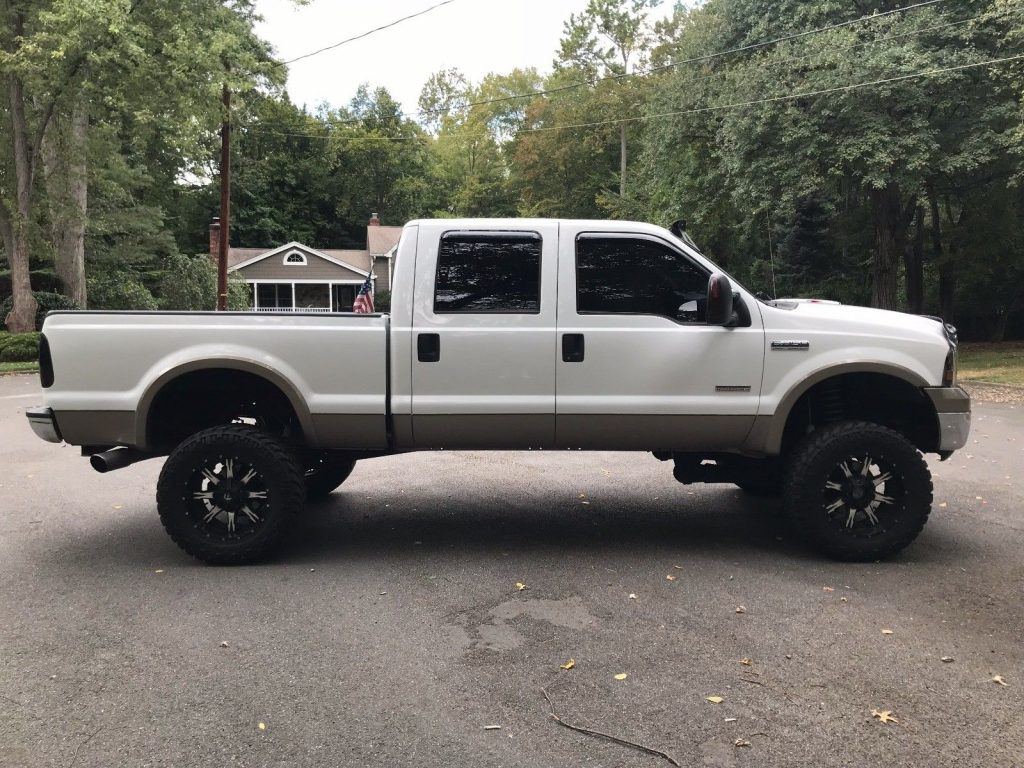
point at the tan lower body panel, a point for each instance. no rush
(484, 431)
(641, 432)
(366, 432)
(97, 427)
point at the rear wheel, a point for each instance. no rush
(226, 494)
(857, 491)
(325, 472)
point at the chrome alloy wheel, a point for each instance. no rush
(226, 498)
(863, 495)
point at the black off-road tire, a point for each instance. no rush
(280, 480)
(325, 472)
(820, 456)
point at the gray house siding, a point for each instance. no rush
(315, 268)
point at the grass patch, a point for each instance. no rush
(994, 362)
(18, 367)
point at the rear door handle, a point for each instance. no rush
(428, 347)
(572, 347)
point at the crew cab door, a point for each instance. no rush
(483, 368)
(638, 367)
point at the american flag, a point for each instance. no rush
(364, 300)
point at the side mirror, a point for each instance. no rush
(720, 300)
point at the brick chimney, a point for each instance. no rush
(374, 220)
(215, 238)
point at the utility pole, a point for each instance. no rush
(225, 203)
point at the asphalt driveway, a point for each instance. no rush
(391, 631)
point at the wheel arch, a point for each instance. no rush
(767, 437)
(233, 364)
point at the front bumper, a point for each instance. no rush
(953, 409)
(44, 424)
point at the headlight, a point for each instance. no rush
(949, 369)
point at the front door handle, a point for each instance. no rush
(572, 347)
(428, 347)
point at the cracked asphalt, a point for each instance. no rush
(390, 632)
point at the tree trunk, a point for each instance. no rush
(65, 170)
(999, 330)
(890, 245)
(914, 266)
(622, 160)
(947, 277)
(22, 317)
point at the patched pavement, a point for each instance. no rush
(391, 630)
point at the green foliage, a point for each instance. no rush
(119, 290)
(19, 348)
(47, 302)
(382, 301)
(190, 284)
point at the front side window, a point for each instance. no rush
(636, 276)
(482, 273)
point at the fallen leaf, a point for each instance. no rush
(117, 506)
(886, 631)
(520, 586)
(492, 727)
(223, 643)
(843, 600)
(262, 726)
(632, 596)
(569, 664)
(828, 589)
(585, 502)
(741, 609)
(885, 716)
(714, 699)
(731, 719)
(678, 567)
(741, 743)
(583, 495)
(159, 570)
(946, 659)
(622, 676)
(942, 505)
(998, 680)
(670, 577)
(746, 662)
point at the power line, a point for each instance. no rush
(620, 76)
(681, 62)
(368, 33)
(698, 110)
(773, 99)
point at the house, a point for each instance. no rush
(297, 277)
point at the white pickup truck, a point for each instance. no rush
(509, 335)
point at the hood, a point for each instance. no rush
(822, 315)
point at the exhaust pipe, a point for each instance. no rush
(116, 458)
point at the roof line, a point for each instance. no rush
(296, 244)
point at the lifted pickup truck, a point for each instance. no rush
(510, 335)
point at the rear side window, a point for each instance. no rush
(635, 276)
(483, 272)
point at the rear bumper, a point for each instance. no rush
(44, 424)
(953, 409)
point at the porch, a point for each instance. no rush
(303, 295)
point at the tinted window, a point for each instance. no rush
(619, 275)
(479, 273)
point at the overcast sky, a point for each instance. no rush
(476, 36)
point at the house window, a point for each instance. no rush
(294, 258)
(274, 295)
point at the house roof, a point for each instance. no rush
(380, 240)
(357, 261)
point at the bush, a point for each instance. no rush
(382, 301)
(119, 291)
(19, 348)
(190, 284)
(48, 302)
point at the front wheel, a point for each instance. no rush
(227, 494)
(857, 491)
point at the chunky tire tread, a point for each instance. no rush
(330, 474)
(801, 491)
(280, 461)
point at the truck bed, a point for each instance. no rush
(109, 367)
